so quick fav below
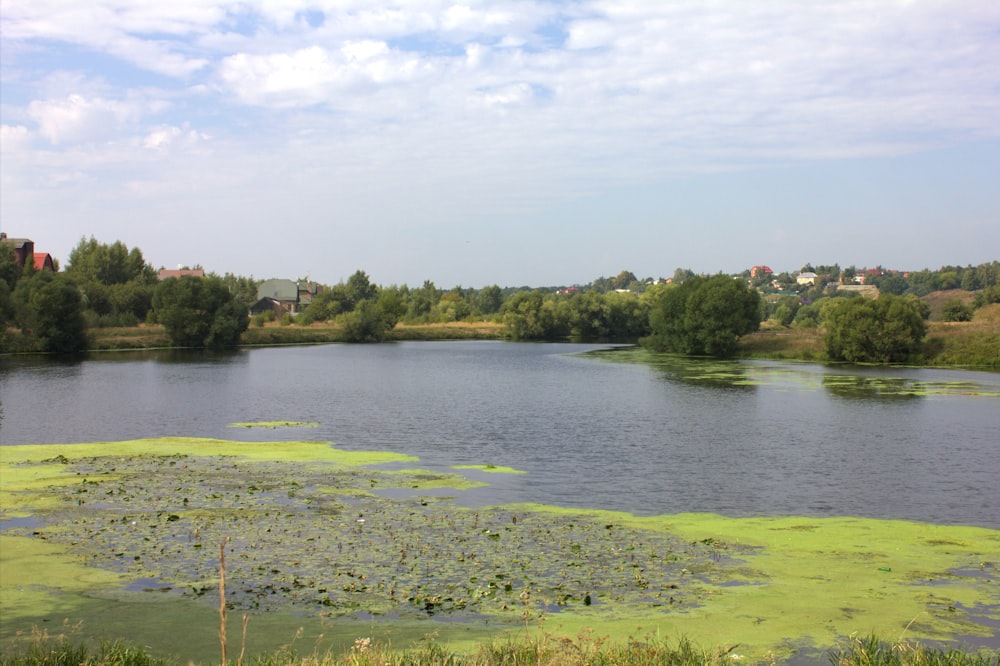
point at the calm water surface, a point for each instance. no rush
(736, 438)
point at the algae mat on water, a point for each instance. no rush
(311, 539)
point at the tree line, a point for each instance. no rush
(107, 285)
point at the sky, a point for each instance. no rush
(515, 142)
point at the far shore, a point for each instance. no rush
(974, 345)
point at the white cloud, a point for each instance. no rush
(14, 138)
(164, 136)
(77, 118)
(313, 75)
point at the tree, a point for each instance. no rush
(885, 330)
(359, 288)
(49, 309)
(10, 272)
(108, 264)
(116, 282)
(199, 312)
(528, 315)
(704, 316)
(489, 299)
(369, 321)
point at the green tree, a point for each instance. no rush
(359, 288)
(885, 330)
(326, 305)
(704, 316)
(49, 310)
(421, 302)
(10, 272)
(453, 306)
(489, 299)
(92, 261)
(529, 315)
(199, 312)
(369, 321)
(956, 310)
(117, 283)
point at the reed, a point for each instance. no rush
(509, 650)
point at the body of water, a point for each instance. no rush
(614, 430)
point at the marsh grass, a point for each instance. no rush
(874, 651)
(505, 650)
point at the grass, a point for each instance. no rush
(504, 650)
(972, 344)
(276, 334)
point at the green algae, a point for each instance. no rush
(495, 469)
(292, 451)
(274, 424)
(310, 536)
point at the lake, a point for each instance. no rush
(592, 426)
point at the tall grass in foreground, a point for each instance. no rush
(872, 651)
(547, 650)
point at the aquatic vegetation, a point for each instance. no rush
(496, 469)
(274, 424)
(312, 531)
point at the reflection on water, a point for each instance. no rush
(620, 429)
(872, 388)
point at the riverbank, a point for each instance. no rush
(276, 334)
(974, 344)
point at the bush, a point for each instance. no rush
(956, 310)
(889, 329)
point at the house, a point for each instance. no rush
(25, 255)
(23, 248)
(284, 296)
(760, 271)
(167, 273)
(43, 262)
(806, 278)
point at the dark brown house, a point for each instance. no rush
(23, 248)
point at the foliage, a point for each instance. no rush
(91, 261)
(703, 316)
(10, 272)
(489, 299)
(956, 310)
(199, 312)
(117, 283)
(987, 296)
(48, 309)
(369, 321)
(885, 330)
(528, 315)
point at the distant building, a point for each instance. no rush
(23, 248)
(806, 278)
(43, 262)
(167, 273)
(25, 255)
(284, 296)
(761, 271)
